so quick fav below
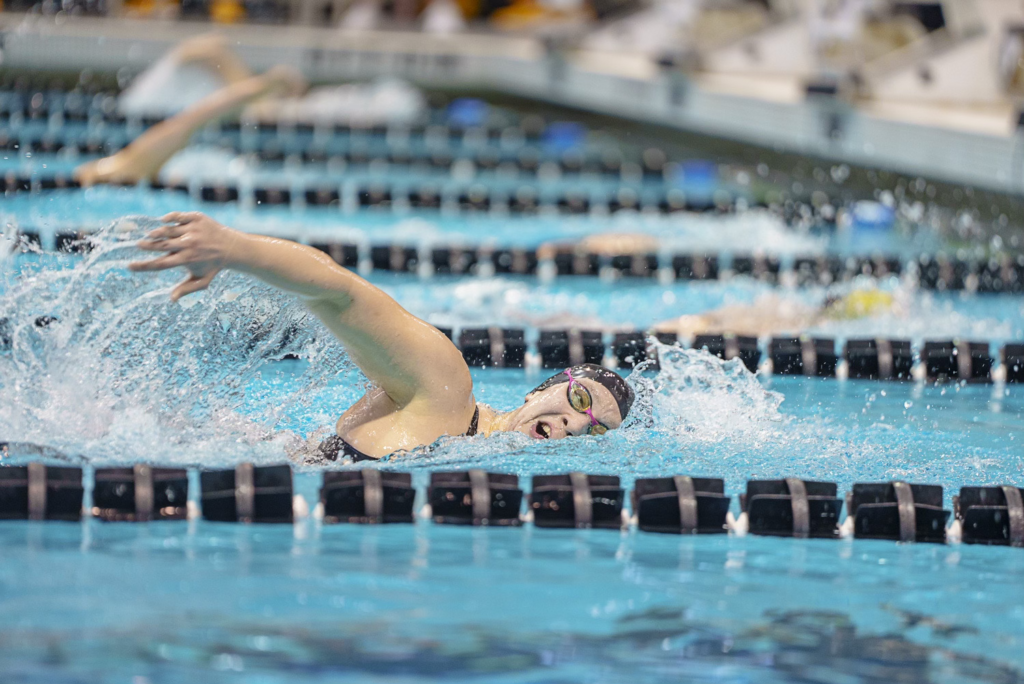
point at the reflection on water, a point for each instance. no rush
(108, 602)
(656, 645)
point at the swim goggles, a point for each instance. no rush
(582, 402)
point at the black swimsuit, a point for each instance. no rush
(334, 447)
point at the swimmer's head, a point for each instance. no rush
(584, 399)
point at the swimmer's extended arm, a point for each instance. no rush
(407, 357)
(144, 157)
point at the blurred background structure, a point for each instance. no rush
(846, 78)
(852, 99)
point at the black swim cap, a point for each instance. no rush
(610, 380)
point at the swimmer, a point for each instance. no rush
(768, 316)
(279, 94)
(423, 389)
(771, 315)
(603, 244)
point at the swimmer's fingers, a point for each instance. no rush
(177, 223)
(192, 284)
(161, 263)
(167, 239)
(181, 218)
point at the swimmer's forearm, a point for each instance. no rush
(224, 62)
(151, 150)
(295, 268)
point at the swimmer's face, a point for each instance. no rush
(547, 414)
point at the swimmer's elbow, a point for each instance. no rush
(337, 291)
(327, 306)
(337, 300)
(452, 389)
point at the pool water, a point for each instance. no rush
(58, 210)
(123, 376)
(222, 603)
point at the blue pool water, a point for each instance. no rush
(220, 603)
(124, 376)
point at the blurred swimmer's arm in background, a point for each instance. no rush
(144, 157)
(211, 50)
(408, 358)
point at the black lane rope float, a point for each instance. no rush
(362, 496)
(934, 272)
(140, 493)
(681, 504)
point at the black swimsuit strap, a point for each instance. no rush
(334, 447)
(473, 423)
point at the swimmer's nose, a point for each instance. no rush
(574, 427)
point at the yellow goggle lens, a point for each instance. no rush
(579, 399)
(598, 429)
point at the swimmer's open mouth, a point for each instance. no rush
(540, 430)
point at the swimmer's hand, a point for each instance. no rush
(124, 167)
(192, 240)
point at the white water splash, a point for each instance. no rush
(121, 373)
(707, 398)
